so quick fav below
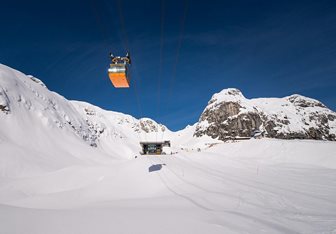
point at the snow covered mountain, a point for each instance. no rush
(32, 116)
(69, 167)
(36, 121)
(230, 115)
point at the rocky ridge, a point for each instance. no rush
(230, 115)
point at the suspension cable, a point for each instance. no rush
(123, 25)
(179, 45)
(125, 42)
(101, 25)
(104, 32)
(160, 62)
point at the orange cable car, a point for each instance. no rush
(118, 71)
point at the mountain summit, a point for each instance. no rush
(40, 125)
(230, 115)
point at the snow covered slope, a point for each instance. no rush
(69, 167)
(230, 115)
(41, 130)
(255, 186)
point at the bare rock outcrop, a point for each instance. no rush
(4, 102)
(230, 115)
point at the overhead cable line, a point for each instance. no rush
(162, 15)
(179, 45)
(125, 41)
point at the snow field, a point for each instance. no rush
(70, 167)
(242, 187)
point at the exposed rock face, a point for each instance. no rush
(149, 125)
(230, 115)
(36, 80)
(4, 102)
(99, 123)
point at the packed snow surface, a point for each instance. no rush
(70, 167)
(255, 186)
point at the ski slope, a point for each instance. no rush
(70, 167)
(255, 186)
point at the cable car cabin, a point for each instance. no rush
(118, 71)
(118, 75)
(153, 148)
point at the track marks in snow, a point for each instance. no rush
(284, 192)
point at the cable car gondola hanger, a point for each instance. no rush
(118, 71)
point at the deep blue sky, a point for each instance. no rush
(264, 48)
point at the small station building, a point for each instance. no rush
(153, 147)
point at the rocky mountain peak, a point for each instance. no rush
(230, 94)
(302, 101)
(148, 125)
(230, 115)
